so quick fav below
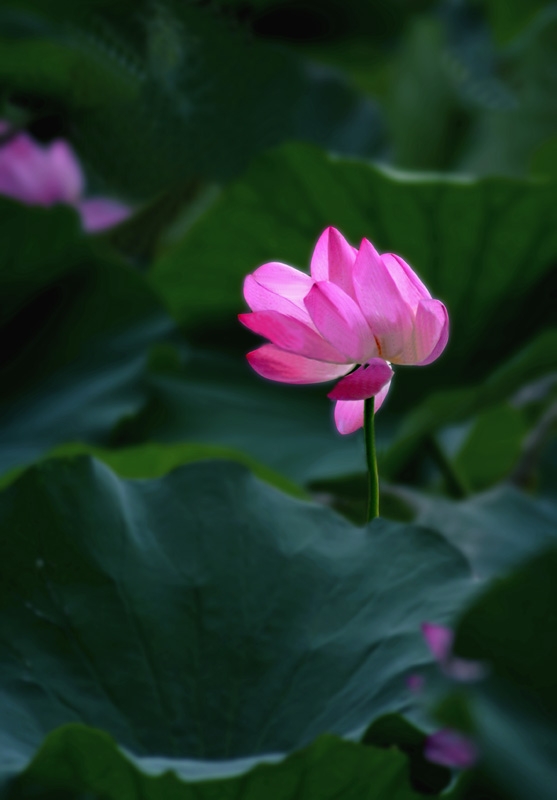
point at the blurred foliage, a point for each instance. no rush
(513, 711)
(157, 619)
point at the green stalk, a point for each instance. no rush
(371, 459)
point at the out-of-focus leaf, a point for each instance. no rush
(492, 446)
(328, 769)
(544, 160)
(218, 400)
(535, 360)
(504, 141)
(513, 713)
(422, 105)
(202, 615)
(172, 91)
(483, 246)
(495, 530)
(154, 460)
(76, 331)
(509, 17)
(38, 246)
(393, 730)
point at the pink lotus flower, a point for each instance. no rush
(45, 175)
(355, 315)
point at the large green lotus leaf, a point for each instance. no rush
(75, 758)
(76, 329)
(495, 530)
(217, 399)
(204, 615)
(513, 713)
(481, 245)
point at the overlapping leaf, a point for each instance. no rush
(77, 758)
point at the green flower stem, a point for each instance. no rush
(371, 459)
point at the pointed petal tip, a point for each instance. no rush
(349, 416)
(439, 639)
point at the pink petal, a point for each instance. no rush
(339, 319)
(430, 334)
(292, 335)
(39, 175)
(439, 639)
(440, 642)
(349, 415)
(22, 168)
(66, 175)
(390, 318)
(271, 362)
(364, 382)
(380, 397)
(415, 683)
(431, 330)
(100, 213)
(451, 749)
(278, 287)
(333, 260)
(410, 287)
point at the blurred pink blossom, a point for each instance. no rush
(440, 640)
(45, 175)
(357, 313)
(450, 749)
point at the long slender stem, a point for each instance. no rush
(371, 459)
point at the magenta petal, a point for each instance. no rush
(278, 287)
(275, 364)
(292, 335)
(23, 171)
(451, 749)
(338, 318)
(431, 330)
(349, 415)
(38, 175)
(100, 213)
(440, 642)
(333, 260)
(364, 382)
(290, 283)
(439, 639)
(380, 397)
(259, 298)
(410, 287)
(390, 318)
(66, 175)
